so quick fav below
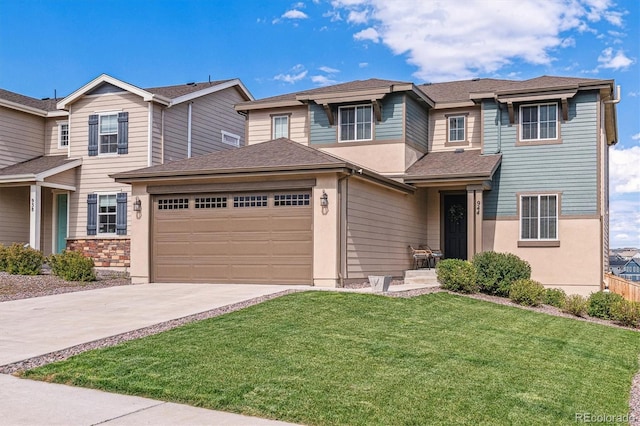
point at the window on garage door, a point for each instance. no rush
(282, 200)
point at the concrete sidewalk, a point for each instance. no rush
(29, 403)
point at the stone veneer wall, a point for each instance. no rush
(105, 252)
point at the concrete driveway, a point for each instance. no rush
(37, 326)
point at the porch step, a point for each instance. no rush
(421, 276)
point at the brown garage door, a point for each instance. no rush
(250, 238)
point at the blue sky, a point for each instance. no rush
(278, 47)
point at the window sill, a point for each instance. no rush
(535, 142)
(536, 243)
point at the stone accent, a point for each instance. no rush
(104, 252)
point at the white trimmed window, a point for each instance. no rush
(230, 139)
(63, 134)
(539, 217)
(107, 208)
(457, 131)
(108, 134)
(355, 123)
(538, 122)
(280, 125)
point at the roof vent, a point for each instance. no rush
(45, 99)
(459, 150)
(191, 83)
(475, 79)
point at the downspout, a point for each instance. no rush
(162, 136)
(189, 130)
(150, 136)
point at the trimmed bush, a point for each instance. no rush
(497, 271)
(555, 297)
(600, 304)
(527, 292)
(457, 275)
(21, 260)
(72, 266)
(575, 305)
(3, 258)
(626, 313)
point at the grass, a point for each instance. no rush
(334, 358)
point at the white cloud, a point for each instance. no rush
(322, 80)
(618, 61)
(633, 94)
(636, 136)
(624, 223)
(297, 73)
(624, 173)
(368, 34)
(363, 64)
(294, 14)
(448, 42)
(329, 70)
(358, 17)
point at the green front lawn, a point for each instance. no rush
(335, 358)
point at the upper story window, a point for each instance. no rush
(63, 134)
(108, 134)
(355, 123)
(230, 138)
(457, 131)
(539, 217)
(280, 126)
(539, 122)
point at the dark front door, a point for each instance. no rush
(455, 226)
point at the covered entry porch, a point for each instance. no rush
(34, 200)
(455, 183)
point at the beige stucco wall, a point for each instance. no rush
(326, 233)
(574, 266)
(140, 237)
(384, 158)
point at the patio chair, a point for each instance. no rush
(435, 255)
(420, 257)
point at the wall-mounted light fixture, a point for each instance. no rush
(324, 199)
(137, 205)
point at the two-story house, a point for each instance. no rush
(337, 181)
(56, 156)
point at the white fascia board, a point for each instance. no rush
(62, 168)
(18, 178)
(58, 113)
(212, 89)
(53, 185)
(23, 108)
(104, 78)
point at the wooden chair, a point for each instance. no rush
(420, 257)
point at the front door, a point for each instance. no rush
(61, 223)
(455, 226)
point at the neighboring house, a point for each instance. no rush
(616, 264)
(56, 157)
(337, 181)
(631, 270)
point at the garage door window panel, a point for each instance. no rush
(210, 202)
(240, 201)
(283, 200)
(173, 203)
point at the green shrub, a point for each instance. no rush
(626, 313)
(457, 275)
(527, 292)
(555, 297)
(3, 258)
(497, 271)
(575, 305)
(600, 304)
(21, 260)
(72, 266)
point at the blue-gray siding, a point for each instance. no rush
(105, 88)
(417, 124)
(570, 167)
(389, 128)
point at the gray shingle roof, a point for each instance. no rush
(183, 89)
(36, 165)
(275, 154)
(453, 164)
(43, 104)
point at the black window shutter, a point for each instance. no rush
(92, 214)
(123, 133)
(121, 213)
(93, 134)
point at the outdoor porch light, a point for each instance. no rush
(324, 199)
(137, 205)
